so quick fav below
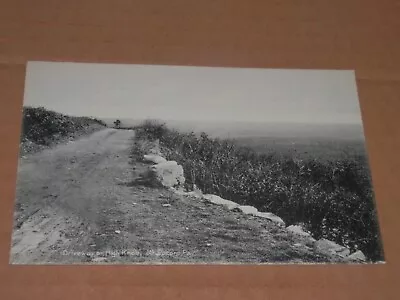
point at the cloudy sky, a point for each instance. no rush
(193, 93)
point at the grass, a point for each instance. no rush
(42, 127)
(332, 198)
(193, 231)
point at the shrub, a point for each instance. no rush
(43, 126)
(151, 129)
(333, 199)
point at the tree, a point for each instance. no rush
(117, 124)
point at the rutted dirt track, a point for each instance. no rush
(79, 202)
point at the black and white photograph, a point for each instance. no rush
(157, 164)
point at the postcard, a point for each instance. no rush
(151, 164)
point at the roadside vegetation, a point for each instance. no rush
(43, 128)
(333, 198)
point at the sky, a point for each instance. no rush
(183, 93)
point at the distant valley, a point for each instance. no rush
(261, 130)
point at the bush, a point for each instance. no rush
(43, 126)
(333, 199)
(151, 129)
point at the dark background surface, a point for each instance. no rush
(345, 34)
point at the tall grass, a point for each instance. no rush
(333, 199)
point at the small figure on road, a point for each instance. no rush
(117, 124)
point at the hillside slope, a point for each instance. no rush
(42, 128)
(333, 198)
(80, 202)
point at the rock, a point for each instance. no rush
(247, 209)
(196, 189)
(310, 240)
(194, 194)
(331, 248)
(297, 229)
(271, 217)
(178, 191)
(117, 231)
(357, 256)
(167, 174)
(153, 158)
(220, 201)
(166, 205)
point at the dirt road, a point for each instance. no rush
(78, 203)
(63, 194)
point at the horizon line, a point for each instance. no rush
(234, 121)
